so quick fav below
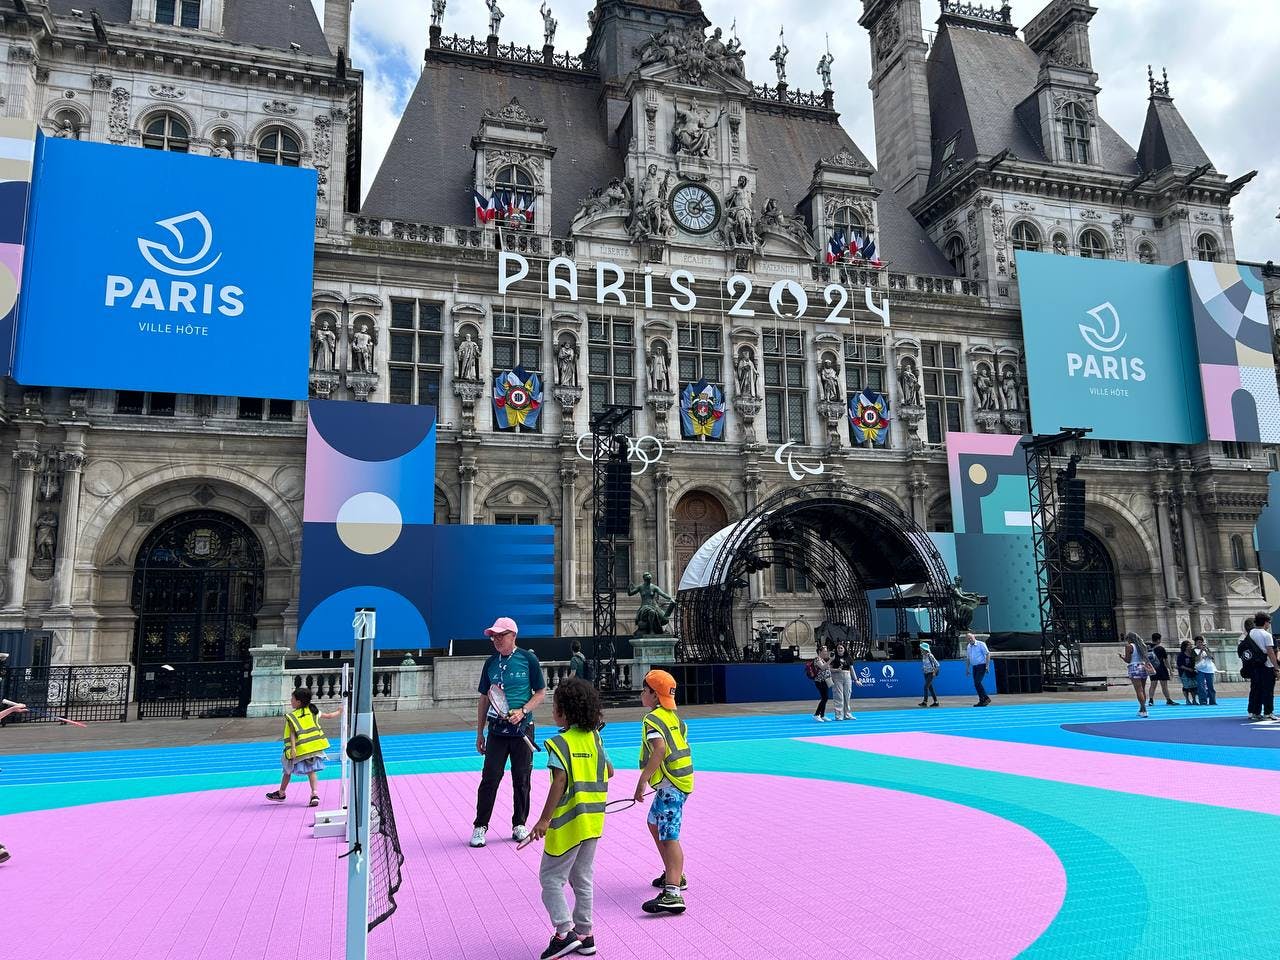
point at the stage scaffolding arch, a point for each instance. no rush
(847, 541)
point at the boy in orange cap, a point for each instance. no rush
(666, 766)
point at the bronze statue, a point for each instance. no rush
(651, 618)
(963, 605)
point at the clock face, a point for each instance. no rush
(695, 208)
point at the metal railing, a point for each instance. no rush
(84, 693)
(186, 690)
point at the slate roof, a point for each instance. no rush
(979, 88)
(263, 23)
(429, 169)
(1167, 140)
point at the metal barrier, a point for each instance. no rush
(184, 690)
(84, 693)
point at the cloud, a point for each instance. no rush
(1223, 58)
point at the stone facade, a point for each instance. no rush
(398, 291)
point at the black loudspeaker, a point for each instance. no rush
(1071, 507)
(617, 498)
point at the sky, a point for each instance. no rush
(1223, 59)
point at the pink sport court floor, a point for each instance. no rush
(1043, 830)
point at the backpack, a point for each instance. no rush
(811, 670)
(1249, 655)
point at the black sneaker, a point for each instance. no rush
(561, 946)
(934, 704)
(665, 902)
(660, 881)
(586, 945)
(4, 854)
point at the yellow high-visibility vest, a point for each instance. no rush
(307, 734)
(677, 765)
(580, 814)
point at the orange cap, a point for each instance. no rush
(663, 685)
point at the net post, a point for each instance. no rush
(364, 625)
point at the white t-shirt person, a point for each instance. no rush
(1263, 640)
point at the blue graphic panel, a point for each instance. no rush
(188, 274)
(1110, 346)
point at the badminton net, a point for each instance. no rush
(385, 855)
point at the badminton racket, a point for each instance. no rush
(612, 806)
(44, 713)
(498, 700)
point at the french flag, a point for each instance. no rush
(526, 209)
(511, 204)
(869, 252)
(484, 208)
(856, 246)
(836, 247)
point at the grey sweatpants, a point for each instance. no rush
(574, 867)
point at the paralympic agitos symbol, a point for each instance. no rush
(793, 467)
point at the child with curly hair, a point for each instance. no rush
(572, 820)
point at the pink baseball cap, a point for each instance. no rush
(502, 625)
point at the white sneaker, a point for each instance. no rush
(477, 837)
(520, 834)
(817, 718)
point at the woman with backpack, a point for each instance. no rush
(819, 671)
(1139, 668)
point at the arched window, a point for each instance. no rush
(954, 252)
(515, 184)
(1093, 246)
(167, 131)
(1075, 133)
(1207, 248)
(1025, 236)
(1238, 561)
(280, 147)
(848, 222)
(1146, 253)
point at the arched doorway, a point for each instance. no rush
(1088, 589)
(697, 516)
(197, 586)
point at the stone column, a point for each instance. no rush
(68, 524)
(1167, 562)
(568, 532)
(662, 514)
(467, 474)
(1191, 553)
(26, 457)
(919, 487)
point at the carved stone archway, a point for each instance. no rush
(697, 515)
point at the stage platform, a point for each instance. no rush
(1010, 831)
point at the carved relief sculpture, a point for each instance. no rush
(118, 116)
(324, 344)
(659, 372)
(909, 384)
(567, 363)
(467, 363)
(693, 135)
(745, 370)
(772, 218)
(691, 54)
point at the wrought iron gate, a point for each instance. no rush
(78, 693)
(183, 690)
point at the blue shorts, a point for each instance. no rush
(667, 812)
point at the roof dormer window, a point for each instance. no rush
(178, 13)
(1075, 133)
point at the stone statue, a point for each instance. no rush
(66, 131)
(324, 343)
(829, 377)
(779, 57)
(467, 365)
(824, 70)
(715, 48)
(651, 618)
(362, 349)
(1060, 245)
(567, 363)
(771, 218)
(220, 149)
(647, 210)
(745, 368)
(549, 24)
(693, 135)
(739, 230)
(963, 605)
(47, 536)
(437, 12)
(909, 384)
(495, 17)
(985, 388)
(734, 57)
(1009, 390)
(659, 373)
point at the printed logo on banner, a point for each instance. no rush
(1110, 347)
(177, 287)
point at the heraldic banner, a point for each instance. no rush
(517, 399)
(702, 410)
(869, 417)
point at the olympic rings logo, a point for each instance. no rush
(647, 449)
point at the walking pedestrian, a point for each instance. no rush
(1205, 670)
(1263, 671)
(1187, 672)
(518, 675)
(1139, 668)
(666, 765)
(1160, 660)
(577, 662)
(819, 671)
(929, 667)
(842, 682)
(5, 856)
(978, 658)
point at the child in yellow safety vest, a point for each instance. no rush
(304, 744)
(667, 766)
(572, 820)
